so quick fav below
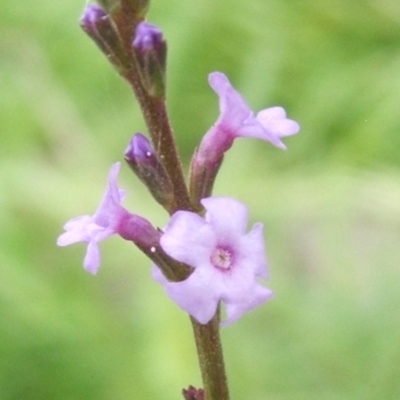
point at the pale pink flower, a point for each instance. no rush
(227, 261)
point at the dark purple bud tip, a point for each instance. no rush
(139, 149)
(147, 37)
(191, 393)
(91, 16)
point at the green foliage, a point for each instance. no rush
(331, 203)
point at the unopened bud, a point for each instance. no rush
(144, 161)
(148, 37)
(151, 51)
(96, 22)
(91, 17)
(140, 150)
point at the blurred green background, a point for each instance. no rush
(331, 203)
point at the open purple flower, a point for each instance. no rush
(226, 260)
(238, 120)
(104, 223)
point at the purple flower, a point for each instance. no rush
(238, 120)
(226, 260)
(104, 223)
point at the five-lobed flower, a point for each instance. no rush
(227, 261)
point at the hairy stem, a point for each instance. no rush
(211, 360)
(156, 118)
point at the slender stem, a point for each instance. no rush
(211, 360)
(155, 115)
(156, 118)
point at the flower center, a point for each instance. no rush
(221, 258)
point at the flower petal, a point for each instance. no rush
(235, 309)
(92, 258)
(227, 216)
(76, 231)
(274, 119)
(188, 238)
(252, 247)
(110, 207)
(233, 108)
(196, 295)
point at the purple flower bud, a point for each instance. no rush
(139, 150)
(92, 15)
(145, 163)
(151, 53)
(147, 37)
(97, 23)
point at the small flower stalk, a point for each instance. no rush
(206, 258)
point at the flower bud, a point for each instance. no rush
(91, 17)
(144, 161)
(98, 25)
(147, 37)
(151, 51)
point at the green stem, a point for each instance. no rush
(211, 360)
(155, 115)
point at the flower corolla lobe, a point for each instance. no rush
(227, 261)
